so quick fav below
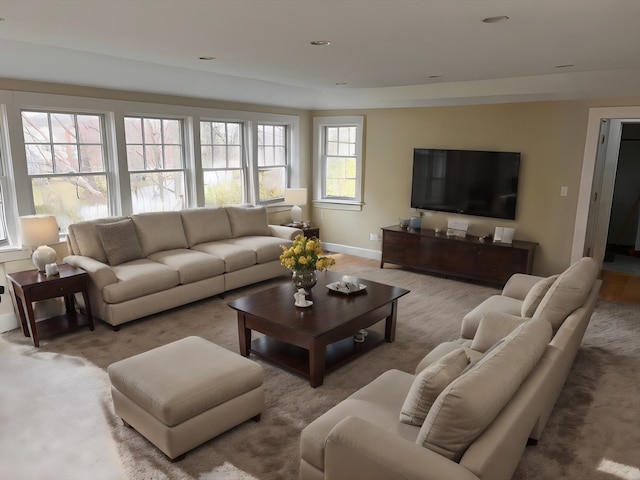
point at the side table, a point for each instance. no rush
(308, 232)
(30, 286)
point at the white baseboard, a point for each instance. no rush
(8, 321)
(357, 251)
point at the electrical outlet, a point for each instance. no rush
(374, 236)
(564, 191)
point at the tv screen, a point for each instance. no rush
(466, 181)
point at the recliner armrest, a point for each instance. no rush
(519, 285)
(356, 448)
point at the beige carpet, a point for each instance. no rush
(596, 419)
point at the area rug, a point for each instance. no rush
(596, 418)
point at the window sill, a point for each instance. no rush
(338, 205)
(13, 254)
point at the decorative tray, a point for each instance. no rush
(341, 287)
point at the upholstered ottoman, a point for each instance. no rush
(184, 393)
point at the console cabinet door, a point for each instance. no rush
(400, 248)
(497, 263)
(447, 256)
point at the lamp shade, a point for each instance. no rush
(295, 196)
(38, 230)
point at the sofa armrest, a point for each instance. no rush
(356, 448)
(519, 285)
(100, 273)
(282, 231)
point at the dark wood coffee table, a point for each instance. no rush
(312, 340)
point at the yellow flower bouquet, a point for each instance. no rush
(305, 255)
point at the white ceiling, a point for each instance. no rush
(384, 50)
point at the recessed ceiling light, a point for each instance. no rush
(566, 65)
(320, 43)
(498, 19)
(207, 58)
(341, 83)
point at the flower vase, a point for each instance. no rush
(305, 280)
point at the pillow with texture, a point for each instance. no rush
(119, 241)
(535, 296)
(493, 327)
(429, 383)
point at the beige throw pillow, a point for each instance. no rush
(119, 241)
(429, 383)
(248, 221)
(493, 327)
(535, 296)
(468, 405)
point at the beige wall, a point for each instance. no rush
(550, 136)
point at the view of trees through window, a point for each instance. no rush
(76, 174)
(65, 162)
(221, 147)
(272, 162)
(341, 161)
(155, 158)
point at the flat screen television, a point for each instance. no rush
(470, 182)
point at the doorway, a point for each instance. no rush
(605, 217)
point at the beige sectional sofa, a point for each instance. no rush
(150, 262)
(453, 420)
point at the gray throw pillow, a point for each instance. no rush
(119, 241)
(429, 383)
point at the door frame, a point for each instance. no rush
(596, 116)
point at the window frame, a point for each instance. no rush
(106, 171)
(286, 166)
(20, 198)
(243, 155)
(184, 169)
(320, 198)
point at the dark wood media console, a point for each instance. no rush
(468, 257)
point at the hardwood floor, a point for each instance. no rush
(620, 287)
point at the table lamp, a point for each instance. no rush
(38, 231)
(296, 197)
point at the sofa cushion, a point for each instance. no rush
(470, 403)
(495, 303)
(235, 257)
(202, 225)
(247, 221)
(138, 278)
(535, 296)
(429, 383)
(192, 266)
(493, 327)
(84, 238)
(119, 241)
(568, 292)
(159, 231)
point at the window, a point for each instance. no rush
(66, 165)
(222, 150)
(338, 158)
(155, 159)
(272, 162)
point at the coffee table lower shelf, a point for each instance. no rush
(296, 359)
